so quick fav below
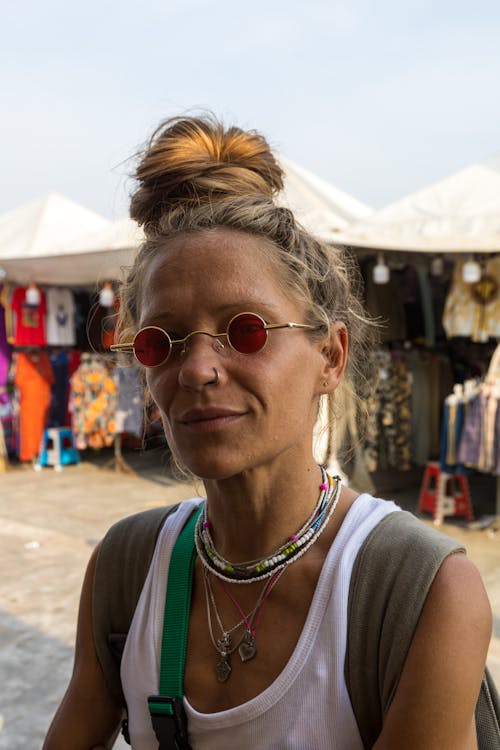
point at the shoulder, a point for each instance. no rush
(400, 534)
(438, 688)
(121, 564)
(395, 569)
(132, 536)
(392, 575)
(458, 595)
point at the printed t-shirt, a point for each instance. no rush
(30, 319)
(60, 317)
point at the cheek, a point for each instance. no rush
(159, 388)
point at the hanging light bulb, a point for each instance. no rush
(437, 265)
(106, 295)
(381, 271)
(471, 271)
(33, 295)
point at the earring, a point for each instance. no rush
(325, 383)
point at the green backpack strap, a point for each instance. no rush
(391, 578)
(122, 564)
(167, 709)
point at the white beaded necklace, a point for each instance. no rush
(293, 549)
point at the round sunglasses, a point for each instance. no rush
(246, 333)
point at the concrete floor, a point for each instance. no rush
(49, 522)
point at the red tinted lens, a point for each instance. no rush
(151, 346)
(246, 333)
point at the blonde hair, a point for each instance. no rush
(196, 175)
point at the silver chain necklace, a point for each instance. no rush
(246, 644)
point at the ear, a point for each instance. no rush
(334, 351)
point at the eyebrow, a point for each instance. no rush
(231, 307)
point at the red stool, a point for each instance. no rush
(443, 494)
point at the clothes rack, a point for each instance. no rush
(118, 463)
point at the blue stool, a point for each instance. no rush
(58, 448)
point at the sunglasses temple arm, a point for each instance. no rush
(272, 326)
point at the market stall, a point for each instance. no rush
(431, 266)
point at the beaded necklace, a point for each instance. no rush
(291, 550)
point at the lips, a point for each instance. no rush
(208, 416)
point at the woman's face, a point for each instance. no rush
(263, 406)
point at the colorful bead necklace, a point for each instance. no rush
(291, 550)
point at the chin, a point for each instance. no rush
(210, 466)
(214, 471)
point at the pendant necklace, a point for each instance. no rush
(246, 644)
(269, 568)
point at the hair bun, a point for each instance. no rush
(194, 159)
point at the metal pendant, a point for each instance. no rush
(223, 668)
(247, 649)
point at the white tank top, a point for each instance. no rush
(307, 705)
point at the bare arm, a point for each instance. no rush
(87, 718)
(433, 707)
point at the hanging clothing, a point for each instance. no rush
(407, 284)
(29, 327)
(480, 438)
(427, 306)
(130, 402)
(451, 433)
(60, 317)
(385, 305)
(474, 309)
(8, 420)
(60, 390)
(82, 309)
(388, 429)
(5, 350)
(93, 405)
(33, 379)
(6, 292)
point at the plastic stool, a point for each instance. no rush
(443, 494)
(58, 448)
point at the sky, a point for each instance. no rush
(378, 98)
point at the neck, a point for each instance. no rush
(253, 513)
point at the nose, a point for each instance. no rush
(200, 358)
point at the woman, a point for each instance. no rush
(261, 316)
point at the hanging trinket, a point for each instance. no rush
(223, 668)
(247, 649)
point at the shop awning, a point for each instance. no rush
(458, 214)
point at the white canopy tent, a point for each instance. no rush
(55, 241)
(322, 208)
(458, 214)
(34, 239)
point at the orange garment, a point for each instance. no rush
(33, 378)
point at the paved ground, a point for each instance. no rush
(49, 522)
